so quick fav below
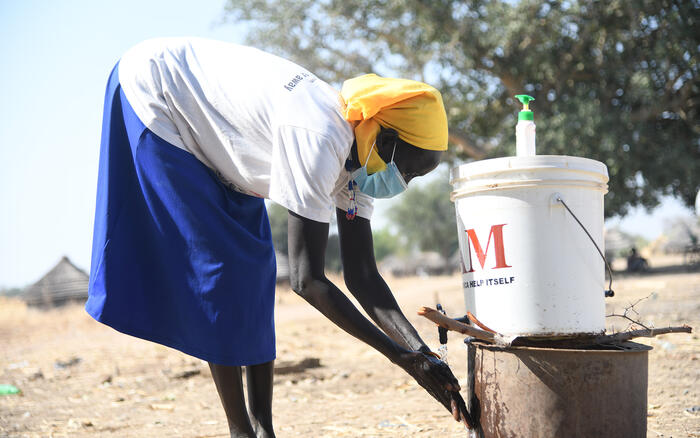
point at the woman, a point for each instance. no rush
(196, 134)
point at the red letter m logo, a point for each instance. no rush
(473, 241)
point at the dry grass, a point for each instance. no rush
(125, 387)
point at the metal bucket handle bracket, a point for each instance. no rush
(558, 198)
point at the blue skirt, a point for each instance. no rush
(177, 257)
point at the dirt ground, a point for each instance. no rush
(79, 378)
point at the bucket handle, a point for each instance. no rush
(609, 292)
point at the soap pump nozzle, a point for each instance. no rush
(525, 129)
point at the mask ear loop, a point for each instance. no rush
(393, 152)
(370, 152)
(352, 210)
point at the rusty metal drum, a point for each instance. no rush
(547, 392)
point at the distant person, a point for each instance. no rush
(196, 134)
(636, 263)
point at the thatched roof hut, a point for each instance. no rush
(64, 283)
(617, 242)
(422, 263)
(681, 234)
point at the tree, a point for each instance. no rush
(426, 217)
(385, 243)
(278, 227)
(614, 81)
(333, 261)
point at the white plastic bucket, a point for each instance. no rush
(528, 268)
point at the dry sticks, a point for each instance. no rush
(503, 341)
(453, 325)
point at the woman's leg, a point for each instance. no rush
(229, 383)
(260, 397)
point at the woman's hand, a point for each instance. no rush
(436, 377)
(307, 246)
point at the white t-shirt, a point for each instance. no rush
(266, 126)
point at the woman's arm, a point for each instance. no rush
(368, 287)
(307, 246)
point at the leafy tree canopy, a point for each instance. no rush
(385, 243)
(425, 216)
(616, 81)
(278, 228)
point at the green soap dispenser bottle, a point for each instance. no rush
(525, 129)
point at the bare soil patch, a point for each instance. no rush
(80, 378)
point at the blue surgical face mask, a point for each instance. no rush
(384, 184)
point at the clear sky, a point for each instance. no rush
(56, 56)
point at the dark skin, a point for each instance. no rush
(393, 335)
(229, 384)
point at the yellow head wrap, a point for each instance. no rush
(414, 109)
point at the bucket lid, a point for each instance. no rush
(484, 168)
